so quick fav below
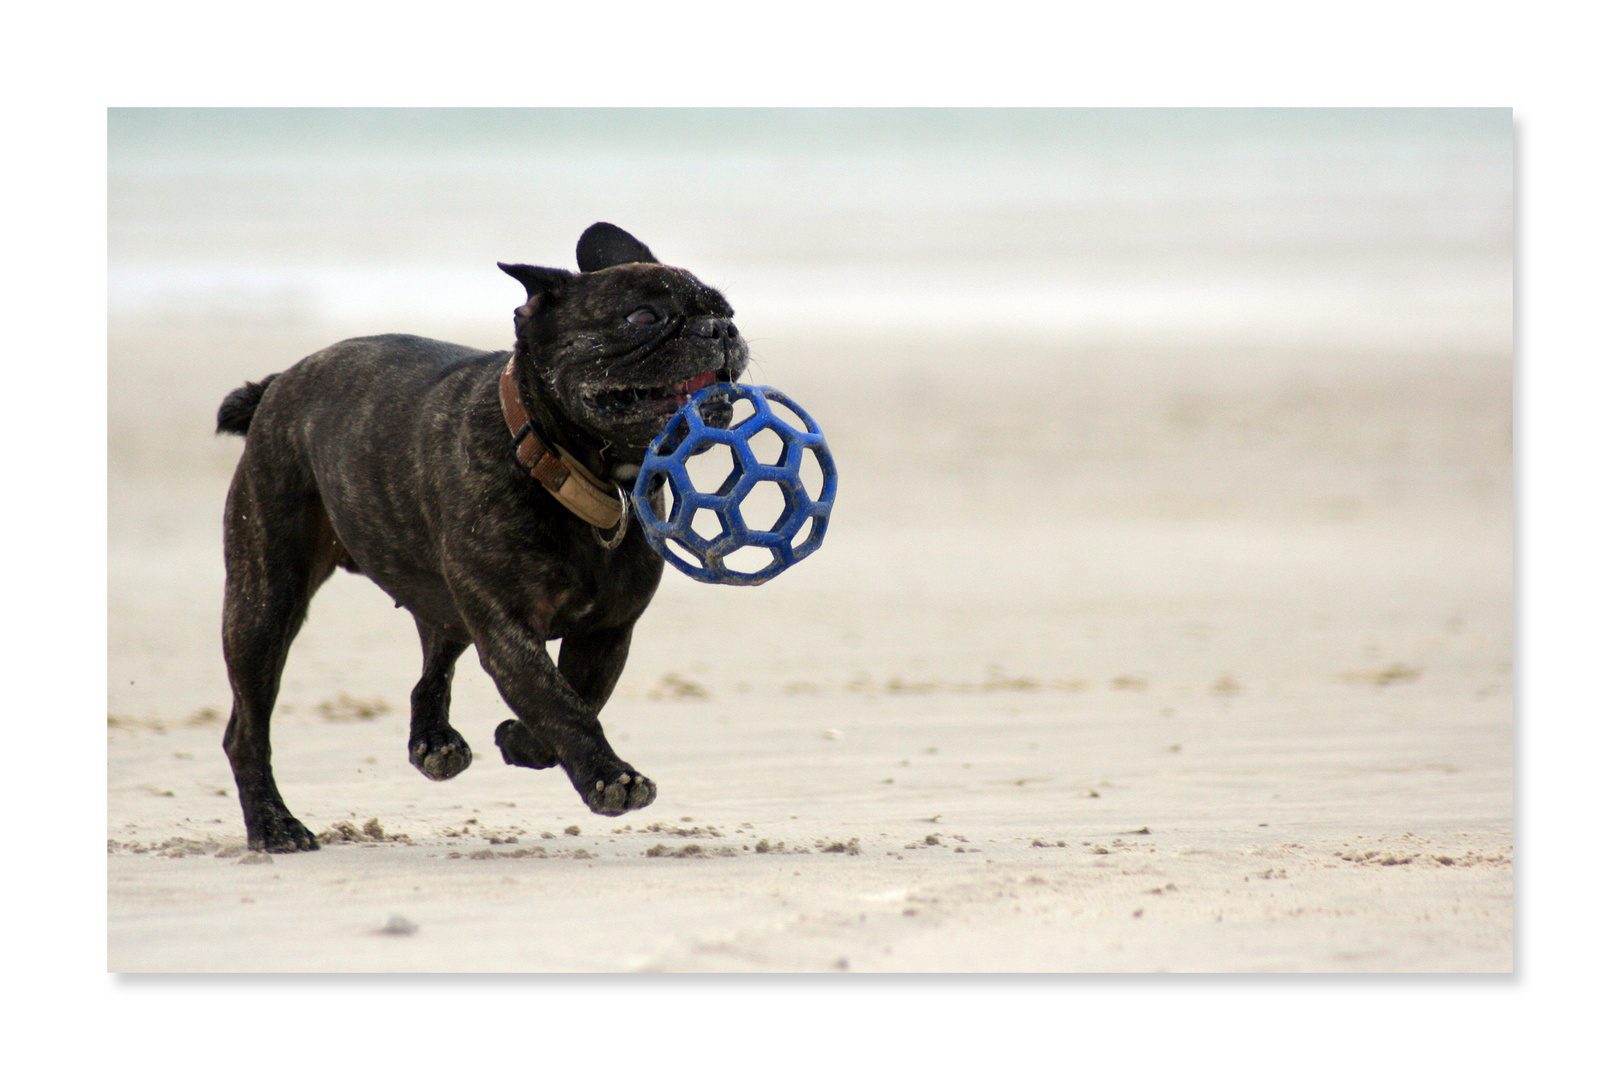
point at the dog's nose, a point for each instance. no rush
(713, 327)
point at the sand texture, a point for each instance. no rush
(1118, 657)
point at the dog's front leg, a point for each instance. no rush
(556, 724)
(592, 663)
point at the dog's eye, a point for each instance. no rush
(643, 317)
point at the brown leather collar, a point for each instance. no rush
(575, 486)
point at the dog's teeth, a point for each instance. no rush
(624, 778)
(600, 785)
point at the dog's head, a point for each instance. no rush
(613, 351)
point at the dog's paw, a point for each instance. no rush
(618, 790)
(279, 832)
(520, 746)
(441, 753)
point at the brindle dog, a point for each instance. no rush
(390, 457)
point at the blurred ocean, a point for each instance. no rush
(1369, 229)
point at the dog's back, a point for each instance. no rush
(353, 365)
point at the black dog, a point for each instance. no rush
(484, 493)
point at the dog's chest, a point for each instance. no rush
(599, 593)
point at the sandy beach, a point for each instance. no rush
(1139, 642)
(1231, 692)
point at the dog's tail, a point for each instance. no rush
(236, 411)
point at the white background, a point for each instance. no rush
(1547, 1019)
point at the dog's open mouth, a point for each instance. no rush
(660, 400)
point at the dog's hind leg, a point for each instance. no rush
(279, 548)
(436, 748)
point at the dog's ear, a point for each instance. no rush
(603, 245)
(544, 284)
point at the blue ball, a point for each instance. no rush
(688, 435)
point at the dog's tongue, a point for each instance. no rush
(692, 386)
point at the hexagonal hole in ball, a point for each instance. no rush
(803, 534)
(762, 507)
(748, 560)
(810, 474)
(678, 552)
(709, 469)
(768, 447)
(741, 409)
(706, 523)
(668, 443)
